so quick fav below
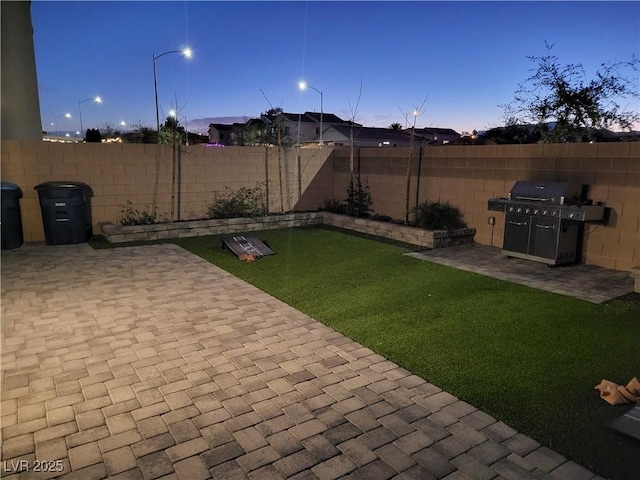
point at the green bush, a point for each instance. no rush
(439, 216)
(132, 216)
(382, 218)
(334, 206)
(244, 202)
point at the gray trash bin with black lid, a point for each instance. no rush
(11, 222)
(66, 212)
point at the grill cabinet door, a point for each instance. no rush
(545, 233)
(516, 233)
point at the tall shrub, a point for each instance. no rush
(244, 202)
(358, 198)
(439, 216)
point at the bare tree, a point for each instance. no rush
(358, 195)
(352, 121)
(417, 112)
(275, 115)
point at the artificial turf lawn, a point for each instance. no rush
(527, 357)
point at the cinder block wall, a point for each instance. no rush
(467, 176)
(143, 175)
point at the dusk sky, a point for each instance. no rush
(466, 58)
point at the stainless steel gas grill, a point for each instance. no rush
(544, 220)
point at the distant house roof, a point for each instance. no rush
(326, 118)
(292, 117)
(437, 131)
(372, 133)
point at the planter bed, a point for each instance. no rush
(401, 233)
(194, 228)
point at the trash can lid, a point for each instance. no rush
(56, 184)
(11, 187)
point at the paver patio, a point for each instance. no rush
(586, 282)
(149, 362)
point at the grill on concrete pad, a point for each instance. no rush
(544, 220)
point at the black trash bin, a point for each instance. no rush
(66, 212)
(11, 223)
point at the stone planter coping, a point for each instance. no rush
(635, 274)
(193, 228)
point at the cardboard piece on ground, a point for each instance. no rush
(247, 248)
(609, 393)
(617, 394)
(634, 386)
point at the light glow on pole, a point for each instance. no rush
(95, 99)
(187, 53)
(303, 86)
(55, 120)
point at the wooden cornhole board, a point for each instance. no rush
(241, 245)
(629, 423)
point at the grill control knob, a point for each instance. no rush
(553, 213)
(544, 212)
(571, 215)
(535, 211)
(511, 209)
(518, 210)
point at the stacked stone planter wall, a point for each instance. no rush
(401, 233)
(195, 228)
(198, 228)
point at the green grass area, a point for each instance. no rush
(527, 357)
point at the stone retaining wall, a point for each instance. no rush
(197, 228)
(401, 233)
(194, 228)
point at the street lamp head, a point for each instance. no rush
(172, 113)
(187, 52)
(304, 85)
(67, 115)
(95, 99)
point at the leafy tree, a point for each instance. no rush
(170, 130)
(109, 131)
(141, 134)
(566, 106)
(93, 135)
(513, 133)
(254, 133)
(269, 130)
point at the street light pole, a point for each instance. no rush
(96, 99)
(302, 86)
(187, 53)
(55, 120)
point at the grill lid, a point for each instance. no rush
(549, 193)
